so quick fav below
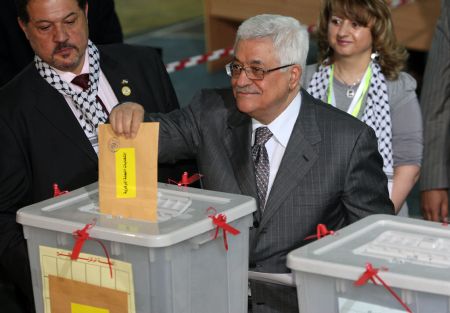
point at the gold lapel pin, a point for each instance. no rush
(126, 90)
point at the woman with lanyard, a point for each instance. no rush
(359, 71)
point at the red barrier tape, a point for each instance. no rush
(198, 59)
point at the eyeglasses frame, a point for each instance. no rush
(245, 68)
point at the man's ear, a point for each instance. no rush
(296, 75)
(86, 10)
(23, 26)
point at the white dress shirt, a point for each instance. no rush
(281, 129)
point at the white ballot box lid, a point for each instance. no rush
(182, 214)
(411, 254)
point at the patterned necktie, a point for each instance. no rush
(261, 162)
(82, 81)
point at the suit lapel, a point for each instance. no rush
(122, 85)
(299, 157)
(52, 105)
(237, 141)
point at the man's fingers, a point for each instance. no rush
(444, 210)
(136, 121)
(126, 122)
(132, 119)
(427, 214)
(126, 118)
(435, 214)
(116, 122)
(434, 204)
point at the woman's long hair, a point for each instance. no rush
(374, 14)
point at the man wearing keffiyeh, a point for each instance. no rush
(48, 123)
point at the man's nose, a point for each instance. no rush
(60, 34)
(242, 79)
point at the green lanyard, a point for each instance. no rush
(355, 107)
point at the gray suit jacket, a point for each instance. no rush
(435, 103)
(331, 173)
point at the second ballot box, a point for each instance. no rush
(380, 264)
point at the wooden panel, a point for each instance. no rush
(414, 23)
(239, 10)
(224, 16)
(220, 34)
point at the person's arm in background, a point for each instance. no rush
(405, 177)
(407, 137)
(435, 102)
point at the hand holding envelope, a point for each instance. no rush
(126, 118)
(128, 168)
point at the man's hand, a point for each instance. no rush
(434, 204)
(126, 118)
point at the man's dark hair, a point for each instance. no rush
(22, 12)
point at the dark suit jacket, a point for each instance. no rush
(435, 104)
(43, 143)
(331, 173)
(16, 52)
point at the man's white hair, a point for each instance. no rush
(289, 37)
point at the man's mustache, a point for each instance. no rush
(246, 89)
(62, 46)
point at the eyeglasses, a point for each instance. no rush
(252, 72)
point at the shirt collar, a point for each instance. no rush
(282, 126)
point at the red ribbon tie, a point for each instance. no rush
(57, 191)
(186, 180)
(321, 231)
(371, 274)
(81, 235)
(220, 220)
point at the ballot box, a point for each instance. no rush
(389, 257)
(178, 264)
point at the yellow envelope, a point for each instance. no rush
(128, 172)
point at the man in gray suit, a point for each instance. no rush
(435, 103)
(304, 161)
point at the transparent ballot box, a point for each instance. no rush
(380, 264)
(176, 265)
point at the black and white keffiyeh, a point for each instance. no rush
(376, 113)
(90, 112)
